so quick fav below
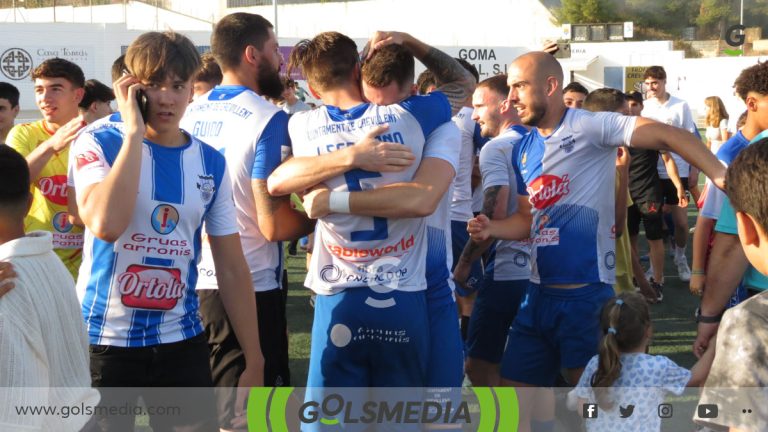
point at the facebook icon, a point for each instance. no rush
(589, 411)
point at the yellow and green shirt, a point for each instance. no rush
(49, 191)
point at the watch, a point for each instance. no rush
(707, 319)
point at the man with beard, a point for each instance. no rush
(566, 166)
(251, 133)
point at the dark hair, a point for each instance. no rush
(10, 92)
(60, 68)
(575, 86)
(288, 82)
(752, 79)
(656, 72)
(747, 182)
(635, 96)
(210, 71)
(604, 99)
(118, 67)
(624, 321)
(234, 33)
(469, 67)
(497, 83)
(392, 63)
(96, 91)
(327, 60)
(14, 190)
(742, 120)
(154, 56)
(426, 80)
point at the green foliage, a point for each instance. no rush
(586, 11)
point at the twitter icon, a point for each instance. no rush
(626, 411)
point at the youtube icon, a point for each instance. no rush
(707, 411)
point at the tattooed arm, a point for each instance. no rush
(495, 207)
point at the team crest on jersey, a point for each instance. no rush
(61, 222)
(146, 287)
(164, 219)
(567, 143)
(547, 190)
(206, 186)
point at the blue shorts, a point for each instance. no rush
(555, 328)
(495, 308)
(459, 239)
(361, 338)
(446, 356)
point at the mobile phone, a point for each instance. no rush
(141, 99)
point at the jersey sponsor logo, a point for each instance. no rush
(54, 189)
(206, 186)
(331, 273)
(521, 259)
(544, 236)
(547, 190)
(396, 249)
(146, 287)
(164, 219)
(61, 222)
(87, 158)
(158, 246)
(610, 260)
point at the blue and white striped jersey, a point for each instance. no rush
(140, 290)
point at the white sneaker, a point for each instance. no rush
(649, 272)
(683, 270)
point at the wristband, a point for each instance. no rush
(707, 319)
(698, 272)
(338, 202)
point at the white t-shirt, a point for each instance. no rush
(570, 179)
(674, 112)
(139, 290)
(644, 381)
(461, 205)
(251, 133)
(508, 260)
(355, 251)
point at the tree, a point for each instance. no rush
(586, 11)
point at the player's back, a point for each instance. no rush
(356, 251)
(240, 124)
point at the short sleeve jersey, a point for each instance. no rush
(140, 290)
(461, 204)
(713, 202)
(643, 382)
(444, 143)
(356, 251)
(251, 133)
(674, 112)
(508, 260)
(49, 195)
(569, 177)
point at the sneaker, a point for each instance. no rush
(645, 258)
(682, 269)
(658, 288)
(649, 272)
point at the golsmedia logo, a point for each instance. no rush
(484, 410)
(734, 37)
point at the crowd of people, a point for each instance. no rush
(462, 230)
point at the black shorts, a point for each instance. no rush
(650, 213)
(173, 379)
(227, 360)
(669, 191)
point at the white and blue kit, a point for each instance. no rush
(370, 326)
(221, 118)
(569, 177)
(140, 290)
(507, 270)
(446, 359)
(461, 203)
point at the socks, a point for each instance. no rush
(679, 253)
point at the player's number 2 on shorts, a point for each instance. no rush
(379, 231)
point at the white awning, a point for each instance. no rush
(577, 64)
